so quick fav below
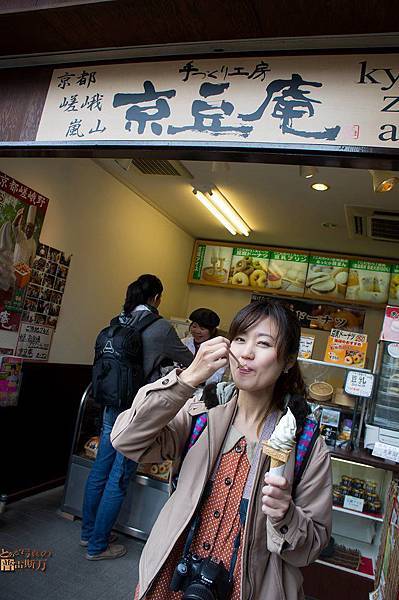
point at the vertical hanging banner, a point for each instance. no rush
(22, 212)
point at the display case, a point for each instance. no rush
(383, 415)
(340, 414)
(146, 495)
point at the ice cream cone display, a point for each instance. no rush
(287, 272)
(368, 281)
(327, 277)
(249, 268)
(281, 443)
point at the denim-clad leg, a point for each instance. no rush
(105, 488)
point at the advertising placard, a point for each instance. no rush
(306, 344)
(327, 277)
(287, 272)
(34, 341)
(346, 348)
(249, 267)
(22, 212)
(368, 281)
(394, 286)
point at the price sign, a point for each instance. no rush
(386, 451)
(306, 346)
(353, 503)
(359, 384)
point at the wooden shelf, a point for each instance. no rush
(362, 456)
(379, 518)
(286, 294)
(312, 361)
(339, 568)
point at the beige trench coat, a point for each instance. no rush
(156, 428)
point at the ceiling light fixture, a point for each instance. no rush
(212, 209)
(307, 172)
(224, 206)
(320, 187)
(383, 181)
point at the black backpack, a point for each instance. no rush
(118, 363)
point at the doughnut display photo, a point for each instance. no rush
(249, 268)
(346, 348)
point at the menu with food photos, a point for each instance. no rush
(368, 281)
(327, 277)
(287, 272)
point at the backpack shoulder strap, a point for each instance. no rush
(304, 447)
(145, 322)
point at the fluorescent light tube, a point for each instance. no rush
(223, 205)
(212, 209)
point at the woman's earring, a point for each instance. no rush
(286, 370)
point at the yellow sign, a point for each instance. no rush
(346, 348)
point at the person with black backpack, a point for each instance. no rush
(130, 352)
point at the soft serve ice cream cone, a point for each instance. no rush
(281, 443)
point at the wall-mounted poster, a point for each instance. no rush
(327, 277)
(34, 341)
(287, 272)
(368, 281)
(22, 212)
(10, 380)
(212, 263)
(346, 348)
(394, 286)
(46, 287)
(249, 267)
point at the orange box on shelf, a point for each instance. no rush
(22, 274)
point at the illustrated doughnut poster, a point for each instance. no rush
(295, 273)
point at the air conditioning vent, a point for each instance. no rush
(368, 222)
(384, 228)
(171, 168)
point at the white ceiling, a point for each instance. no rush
(279, 206)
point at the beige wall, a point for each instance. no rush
(114, 236)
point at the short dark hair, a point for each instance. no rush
(140, 291)
(205, 317)
(288, 338)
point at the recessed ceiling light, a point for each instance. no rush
(307, 172)
(320, 187)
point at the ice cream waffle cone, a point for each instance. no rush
(278, 458)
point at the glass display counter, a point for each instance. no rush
(147, 492)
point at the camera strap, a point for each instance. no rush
(267, 430)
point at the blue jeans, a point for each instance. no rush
(106, 488)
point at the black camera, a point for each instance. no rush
(201, 579)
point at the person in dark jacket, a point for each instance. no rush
(109, 478)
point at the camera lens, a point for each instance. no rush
(198, 591)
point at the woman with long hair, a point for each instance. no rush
(232, 529)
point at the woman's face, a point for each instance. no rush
(256, 349)
(200, 334)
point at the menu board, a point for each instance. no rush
(394, 286)
(327, 277)
(212, 263)
(368, 281)
(295, 273)
(346, 348)
(249, 267)
(287, 272)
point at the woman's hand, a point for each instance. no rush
(211, 356)
(276, 496)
